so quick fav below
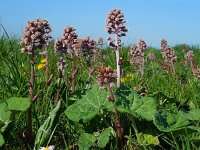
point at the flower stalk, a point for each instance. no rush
(115, 25)
(105, 77)
(36, 35)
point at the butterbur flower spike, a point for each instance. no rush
(36, 35)
(115, 25)
(105, 75)
(164, 44)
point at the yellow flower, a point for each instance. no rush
(40, 66)
(123, 79)
(130, 76)
(44, 60)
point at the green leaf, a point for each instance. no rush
(96, 139)
(5, 114)
(192, 115)
(86, 141)
(1, 140)
(138, 106)
(166, 121)
(46, 129)
(18, 103)
(148, 139)
(197, 128)
(104, 138)
(89, 105)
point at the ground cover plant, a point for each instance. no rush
(76, 93)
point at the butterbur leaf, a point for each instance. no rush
(192, 114)
(148, 139)
(89, 105)
(139, 106)
(5, 114)
(104, 138)
(166, 121)
(18, 104)
(100, 140)
(1, 140)
(86, 141)
(46, 129)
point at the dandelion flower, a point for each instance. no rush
(44, 60)
(51, 147)
(123, 79)
(40, 66)
(130, 76)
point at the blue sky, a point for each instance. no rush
(175, 20)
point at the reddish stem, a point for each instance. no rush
(31, 90)
(117, 118)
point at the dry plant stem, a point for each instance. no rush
(117, 119)
(31, 90)
(117, 60)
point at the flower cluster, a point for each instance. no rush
(169, 55)
(115, 25)
(67, 42)
(164, 44)
(88, 44)
(42, 64)
(151, 56)
(129, 77)
(100, 43)
(188, 57)
(36, 35)
(137, 52)
(105, 75)
(70, 37)
(196, 73)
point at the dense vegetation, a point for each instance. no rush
(165, 117)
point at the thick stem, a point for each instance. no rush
(117, 60)
(73, 72)
(117, 118)
(31, 90)
(142, 67)
(90, 70)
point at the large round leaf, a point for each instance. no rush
(166, 121)
(138, 106)
(18, 103)
(89, 105)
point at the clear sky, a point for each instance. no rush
(178, 21)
